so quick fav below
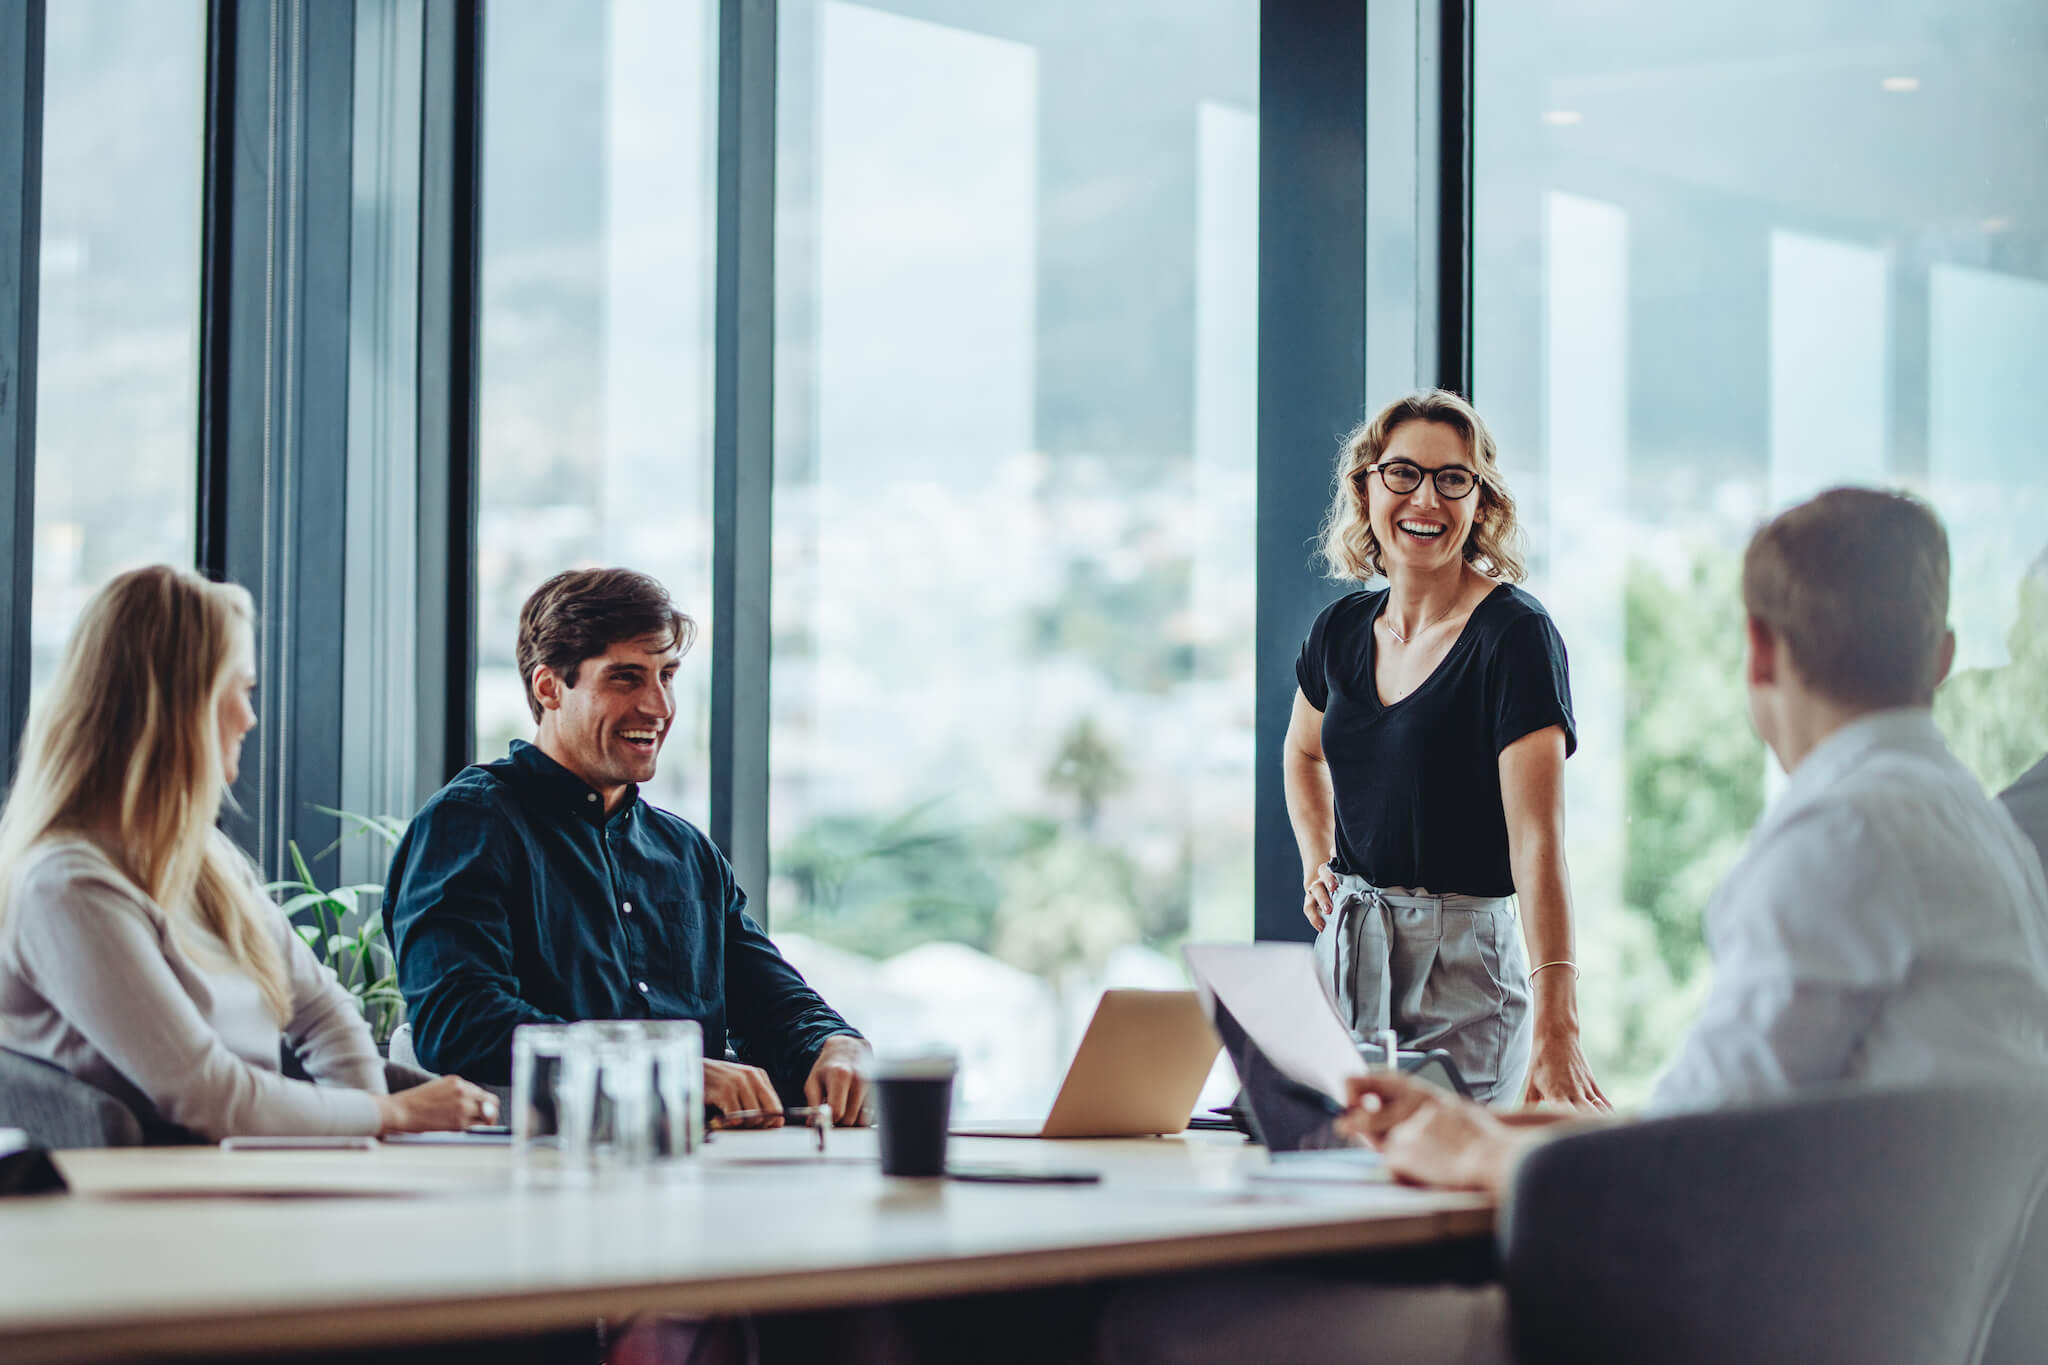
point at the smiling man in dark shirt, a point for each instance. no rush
(541, 887)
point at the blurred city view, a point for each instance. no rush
(1719, 265)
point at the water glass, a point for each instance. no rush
(537, 1055)
(677, 1046)
(620, 1085)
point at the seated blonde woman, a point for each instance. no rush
(138, 950)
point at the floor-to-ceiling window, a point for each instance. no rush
(1727, 256)
(117, 377)
(599, 138)
(1011, 736)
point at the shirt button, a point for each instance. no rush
(591, 796)
(627, 906)
(643, 988)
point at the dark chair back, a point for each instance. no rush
(59, 1110)
(1874, 1227)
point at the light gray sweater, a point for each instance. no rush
(96, 977)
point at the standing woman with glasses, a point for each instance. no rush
(1425, 765)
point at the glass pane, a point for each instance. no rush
(1014, 541)
(1724, 260)
(598, 230)
(117, 377)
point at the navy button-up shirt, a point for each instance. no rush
(514, 899)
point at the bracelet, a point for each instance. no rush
(1558, 962)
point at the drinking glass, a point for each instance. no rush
(620, 1138)
(677, 1046)
(537, 1136)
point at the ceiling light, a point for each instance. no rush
(1900, 85)
(1563, 118)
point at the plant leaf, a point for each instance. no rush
(299, 862)
(389, 828)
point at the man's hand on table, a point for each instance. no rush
(1430, 1137)
(735, 1088)
(838, 1079)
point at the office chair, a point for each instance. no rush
(1875, 1227)
(59, 1110)
(402, 1051)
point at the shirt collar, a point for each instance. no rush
(535, 771)
(1908, 729)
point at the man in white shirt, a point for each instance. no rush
(1888, 924)
(1885, 926)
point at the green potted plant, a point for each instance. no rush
(343, 931)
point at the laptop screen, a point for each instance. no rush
(1286, 1115)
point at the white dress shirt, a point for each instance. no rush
(1887, 925)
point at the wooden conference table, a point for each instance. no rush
(175, 1250)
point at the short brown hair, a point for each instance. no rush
(581, 613)
(1347, 543)
(1855, 582)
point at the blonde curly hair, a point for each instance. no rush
(1349, 548)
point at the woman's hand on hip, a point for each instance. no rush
(1559, 1075)
(1319, 895)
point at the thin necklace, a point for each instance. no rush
(1419, 629)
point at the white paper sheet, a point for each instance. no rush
(1272, 990)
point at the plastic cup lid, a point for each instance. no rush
(925, 1064)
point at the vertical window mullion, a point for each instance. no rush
(1312, 310)
(451, 193)
(21, 154)
(743, 449)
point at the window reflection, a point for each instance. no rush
(598, 227)
(1725, 260)
(1013, 565)
(117, 384)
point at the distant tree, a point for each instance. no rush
(880, 885)
(1996, 719)
(1067, 906)
(1694, 776)
(1695, 768)
(1088, 768)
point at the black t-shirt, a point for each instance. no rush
(1417, 783)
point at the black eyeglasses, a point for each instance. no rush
(1453, 481)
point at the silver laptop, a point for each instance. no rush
(1138, 1071)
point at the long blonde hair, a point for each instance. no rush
(124, 751)
(1348, 545)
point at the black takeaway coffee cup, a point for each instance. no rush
(913, 1108)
